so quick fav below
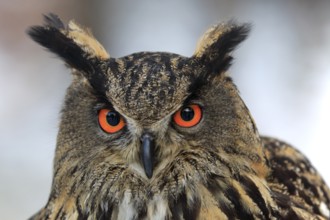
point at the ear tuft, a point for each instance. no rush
(85, 39)
(218, 42)
(76, 46)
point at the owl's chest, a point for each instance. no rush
(198, 202)
(162, 206)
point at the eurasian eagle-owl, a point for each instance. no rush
(156, 135)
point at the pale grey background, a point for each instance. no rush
(282, 71)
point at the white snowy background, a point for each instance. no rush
(282, 71)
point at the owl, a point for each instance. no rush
(157, 135)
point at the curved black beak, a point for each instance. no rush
(147, 153)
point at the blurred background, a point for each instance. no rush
(282, 71)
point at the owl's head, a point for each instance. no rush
(149, 113)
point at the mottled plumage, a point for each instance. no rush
(155, 166)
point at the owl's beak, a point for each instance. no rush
(147, 153)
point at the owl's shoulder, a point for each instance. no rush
(294, 180)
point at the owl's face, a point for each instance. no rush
(152, 107)
(148, 123)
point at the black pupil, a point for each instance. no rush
(113, 118)
(187, 114)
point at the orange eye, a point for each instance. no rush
(110, 121)
(188, 116)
